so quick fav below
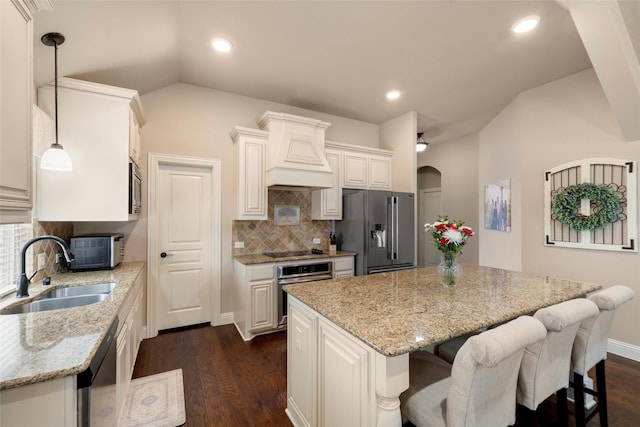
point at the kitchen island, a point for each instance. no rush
(349, 340)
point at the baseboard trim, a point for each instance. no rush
(624, 349)
(226, 318)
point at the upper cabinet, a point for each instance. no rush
(326, 204)
(364, 167)
(250, 153)
(16, 81)
(99, 126)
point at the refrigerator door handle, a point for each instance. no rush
(396, 228)
(389, 241)
(393, 228)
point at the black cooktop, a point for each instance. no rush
(292, 253)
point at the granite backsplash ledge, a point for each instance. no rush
(266, 236)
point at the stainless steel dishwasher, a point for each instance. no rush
(97, 385)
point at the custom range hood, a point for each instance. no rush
(295, 151)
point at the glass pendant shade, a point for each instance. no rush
(56, 159)
(421, 144)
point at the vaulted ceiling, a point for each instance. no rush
(455, 62)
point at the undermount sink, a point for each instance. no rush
(46, 304)
(71, 296)
(72, 291)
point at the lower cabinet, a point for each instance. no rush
(343, 267)
(50, 403)
(328, 380)
(255, 298)
(132, 322)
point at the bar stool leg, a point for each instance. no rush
(602, 393)
(578, 396)
(561, 406)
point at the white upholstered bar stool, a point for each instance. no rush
(590, 349)
(479, 389)
(544, 370)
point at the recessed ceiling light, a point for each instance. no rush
(221, 45)
(525, 24)
(393, 94)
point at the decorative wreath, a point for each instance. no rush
(605, 203)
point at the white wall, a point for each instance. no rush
(457, 161)
(500, 158)
(193, 121)
(568, 119)
(399, 136)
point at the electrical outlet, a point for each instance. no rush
(238, 245)
(42, 260)
(316, 240)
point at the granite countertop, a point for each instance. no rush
(263, 259)
(42, 346)
(402, 311)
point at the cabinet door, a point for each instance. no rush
(327, 204)
(95, 133)
(355, 170)
(15, 107)
(262, 305)
(343, 373)
(251, 186)
(301, 359)
(123, 378)
(379, 172)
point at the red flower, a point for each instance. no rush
(441, 227)
(453, 226)
(444, 240)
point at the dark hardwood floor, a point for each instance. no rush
(229, 383)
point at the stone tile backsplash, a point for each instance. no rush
(266, 236)
(64, 230)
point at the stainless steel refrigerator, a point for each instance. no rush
(379, 227)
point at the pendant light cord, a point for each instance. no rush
(55, 62)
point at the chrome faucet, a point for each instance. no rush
(22, 284)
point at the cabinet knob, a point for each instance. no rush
(164, 255)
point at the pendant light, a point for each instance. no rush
(421, 144)
(55, 158)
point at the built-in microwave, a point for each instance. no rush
(135, 189)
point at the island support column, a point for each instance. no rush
(392, 378)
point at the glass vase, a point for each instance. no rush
(449, 270)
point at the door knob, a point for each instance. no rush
(164, 255)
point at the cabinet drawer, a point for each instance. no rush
(345, 263)
(261, 272)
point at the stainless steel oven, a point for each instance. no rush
(298, 272)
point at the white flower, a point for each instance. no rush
(453, 236)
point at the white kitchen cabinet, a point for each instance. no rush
(301, 358)
(364, 167)
(94, 126)
(343, 267)
(135, 139)
(326, 204)
(344, 361)
(131, 318)
(331, 373)
(255, 298)
(250, 182)
(16, 83)
(50, 403)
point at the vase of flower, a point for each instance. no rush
(449, 238)
(449, 270)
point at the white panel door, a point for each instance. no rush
(185, 245)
